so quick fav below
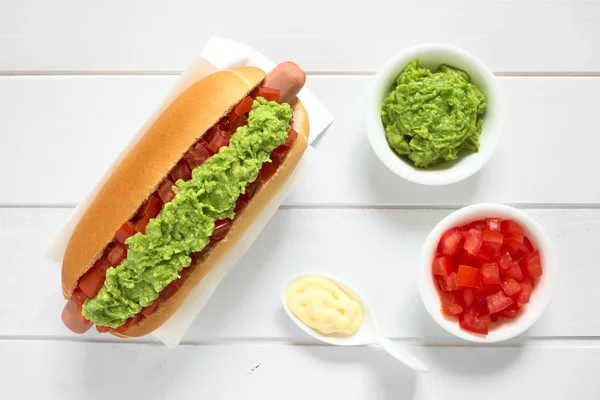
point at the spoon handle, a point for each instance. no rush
(402, 355)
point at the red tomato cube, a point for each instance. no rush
(91, 282)
(221, 229)
(493, 224)
(268, 170)
(450, 242)
(140, 226)
(442, 266)
(117, 254)
(473, 241)
(468, 297)
(492, 242)
(181, 170)
(447, 283)
(511, 312)
(152, 207)
(511, 287)
(102, 264)
(220, 139)
(449, 305)
(78, 297)
(473, 322)
(498, 302)
(244, 106)
(147, 311)
(513, 272)
(525, 294)
(165, 190)
(490, 273)
(468, 276)
(534, 266)
(505, 261)
(268, 93)
(125, 231)
(485, 289)
(510, 227)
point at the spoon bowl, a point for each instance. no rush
(367, 334)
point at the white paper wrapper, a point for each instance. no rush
(217, 54)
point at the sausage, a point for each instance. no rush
(71, 320)
(288, 78)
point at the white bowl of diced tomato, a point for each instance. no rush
(488, 272)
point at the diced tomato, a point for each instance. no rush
(511, 311)
(280, 153)
(251, 189)
(221, 229)
(91, 282)
(442, 266)
(292, 135)
(505, 261)
(482, 258)
(498, 302)
(467, 259)
(510, 227)
(224, 122)
(485, 290)
(78, 297)
(511, 287)
(165, 191)
(243, 106)
(525, 294)
(480, 303)
(468, 297)
(493, 224)
(449, 305)
(534, 266)
(447, 283)
(102, 264)
(130, 323)
(197, 155)
(117, 254)
(473, 322)
(477, 225)
(103, 329)
(240, 204)
(513, 272)
(125, 231)
(168, 291)
(528, 244)
(140, 226)
(147, 311)
(473, 241)
(515, 246)
(468, 276)
(450, 242)
(152, 207)
(236, 122)
(181, 170)
(220, 139)
(267, 93)
(492, 242)
(490, 274)
(268, 170)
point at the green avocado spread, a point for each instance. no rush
(431, 116)
(186, 223)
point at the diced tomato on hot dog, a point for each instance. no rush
(147, 311)
(244, 106)
(125, 231)
(91, 282)
(165, 191)
(220, 139)
(235, 122)
(152, 207)
(140, 226)
(197, 155)
(269, 94)
(102, 264)
(117, 254)
(182, 171)
(221, 229)
(268, 170)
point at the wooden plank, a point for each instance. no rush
(69, 35)
(67, 370)
(376, 250)
(69, 129)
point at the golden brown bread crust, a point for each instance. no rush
(146, 165)
(240, 225)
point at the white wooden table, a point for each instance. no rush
(78, 78)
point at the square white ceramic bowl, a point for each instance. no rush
(431, 56)
(542, 292)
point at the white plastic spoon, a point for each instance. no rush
(367, 334)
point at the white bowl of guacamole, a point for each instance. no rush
(433, 114)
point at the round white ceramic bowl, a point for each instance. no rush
(542, 292)
(431, 56)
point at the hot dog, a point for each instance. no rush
(182, 197)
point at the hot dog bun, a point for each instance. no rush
(138, 173)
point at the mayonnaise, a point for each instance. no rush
(320, 304)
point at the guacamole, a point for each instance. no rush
(431, 116)
(186, 223)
